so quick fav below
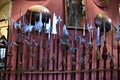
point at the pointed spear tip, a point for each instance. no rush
(65, 31)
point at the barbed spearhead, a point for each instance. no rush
(39, 24)
(48, 26)
(65, 31)
(98, 40)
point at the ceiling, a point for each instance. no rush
(5, 9)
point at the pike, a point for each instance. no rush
(74, 51)
(90, 29)
(38, 28)
(118, 52)
(118, 49)
(66, 47)
(54, 32)
(27, 29)
(48, 28)
(20, 46)
(33, 44)
(43, 64)
(58, 42)
(104, 54)
(83, 53)
(98, 42)
(111, 57)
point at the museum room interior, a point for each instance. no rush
(59, 40)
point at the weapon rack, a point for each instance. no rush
(12, 71)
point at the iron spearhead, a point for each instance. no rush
(39, 24)
(98, 41)
(48, 26)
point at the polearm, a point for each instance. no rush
(20, 46)
(38, 28)
(118, 52)
(44, 48)
(44, 45)
(73, 77)
(118, 49)
(48, 30)
(104, 54)
(98, 42)
(83, 53)
(10, 44)
(65, 50)
(54, 32)
(74, 51)
(27, 29)
(28, 54)
(58, 42)
(33, 44)
(111, 57)
(90, 29)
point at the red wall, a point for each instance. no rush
(92, 10)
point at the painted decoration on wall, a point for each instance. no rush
(101, 3)
(74, 12)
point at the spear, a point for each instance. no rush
(74, 51)
(48, 27)
(58, 42)
(90, 29)
(98, 42)
(111, 57)
(66, 47)
(27, 29)
(118, 52)
(118, 49)
(104, 55)
(20, 45)
(10, 43)
(28, 53)
(33, 44)
(38, 28)
(83, 53)
(44, 46)
(54, 32)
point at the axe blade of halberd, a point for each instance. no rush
(55, 20)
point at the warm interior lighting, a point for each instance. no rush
(119, 8)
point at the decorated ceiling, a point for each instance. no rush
(5, 10)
